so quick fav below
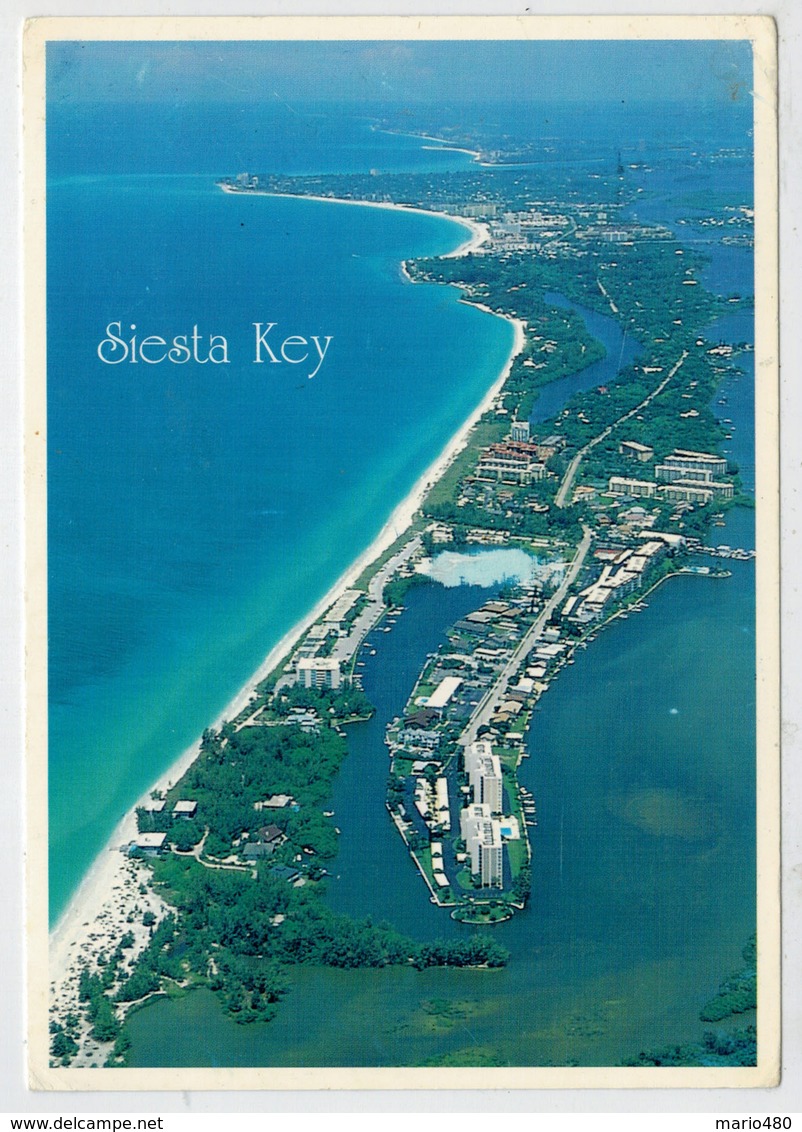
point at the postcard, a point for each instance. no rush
(402, 520)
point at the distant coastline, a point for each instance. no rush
(479, 232)
(110, 872)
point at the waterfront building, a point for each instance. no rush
(482, 837)
(672, 541)
(520, 431)
(510, 462)
(416, 737)
(484, 774)
(185, 809)
(687, 493)
(668, 473)
(442, 815)
(620, 485)
(274, 802)
(421, 719)
(491, 861)
(443, 692)
(264, 843)
(722, 490)
(683, 459)
(341, 608)
(468, 818)
(148, 844)
(319, 672)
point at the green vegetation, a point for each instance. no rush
(99, 1011)
(738, 992)
(397, 588)
(63, 1041)
(736, 1048)
(736, 995)
(332, 705)
(236, 928)
(245, 879)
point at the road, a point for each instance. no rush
(497, 691)
(568, 478)
(346, 647)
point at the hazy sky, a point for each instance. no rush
(411, 72)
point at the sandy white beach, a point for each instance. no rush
(98, 913)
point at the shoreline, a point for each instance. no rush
(442, 143)
(73, 932)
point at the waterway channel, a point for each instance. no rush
(621, 351)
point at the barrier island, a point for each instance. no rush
(225, 864)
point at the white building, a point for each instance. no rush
(633, 450)
(443, 692)
(342, 607)
(484, 774)
(482, 837)
(150, 844)
(185, 809)
(620, 485)
(683, 460)
(319, 672)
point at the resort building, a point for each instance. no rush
(520, 431)
(484, 774)
(341, 608)
(511, 462)
(620, 485)
(668, 473)
(417, 737)
(319, 672)
(683, 460)
(469, 816)
(442, 810)
(687, 493)
(482, 837)
(148, 844)
(635, 451)
(721, 490)
(185, 809)
(264, 843)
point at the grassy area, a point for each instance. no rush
(516, 853)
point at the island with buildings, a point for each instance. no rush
(614, 492)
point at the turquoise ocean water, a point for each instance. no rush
(197, 511)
